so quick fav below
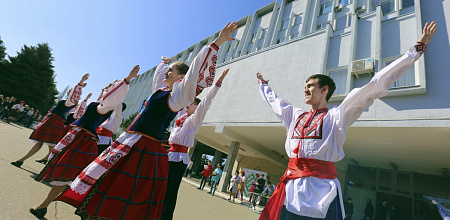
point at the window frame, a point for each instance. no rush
(322, 10)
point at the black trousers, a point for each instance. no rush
(176, 171)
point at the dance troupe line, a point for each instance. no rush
(135, 177)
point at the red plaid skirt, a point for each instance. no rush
(134, 188)
(49, 130)
(69, 162)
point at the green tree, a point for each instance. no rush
(127, 122)
(2, 50)
(30, 77)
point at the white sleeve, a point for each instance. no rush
(361, 98)
(282, 108)
(80, 110)
(74, 96)
(159, 76)
(114, 97)
(202, 108)
(200, 75)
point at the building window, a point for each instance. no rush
(293, 36)
(321, 26)
(253, 38)
(297, 20)
(341, 22)
(408, 79)
(284, 24)
(340, 79)
(258, 48)
(326, 8)
(407, 3)
(345, 2)
(387, 6)
(235, 49)
(264, 33)
(281, 40)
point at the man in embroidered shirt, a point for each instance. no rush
(309, 188)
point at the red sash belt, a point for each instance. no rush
(104, 132)
(178, 148)
(298, 167)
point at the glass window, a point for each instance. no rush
(264, 33)
(253, 38)
(407, 3)
(326, 8)
(284, 24)
(258, 48)
(387, 6)
(297, 20)
(341, 22)
(293, 36)
(321, 26)
(408, 79)
(340, 79)
(281, 40)
(345, 2)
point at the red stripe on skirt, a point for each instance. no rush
(50, 130)
(71, 161)
(140, 198)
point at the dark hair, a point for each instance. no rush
(268, 182)
(181, 67)
(209, 161)
(124, 106)
(324, 80)
(197, 101)
(349, 198)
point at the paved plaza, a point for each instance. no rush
(19, 190)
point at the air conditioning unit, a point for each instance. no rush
(360, 9)
(363, 66)
(338, 8)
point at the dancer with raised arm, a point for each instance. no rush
(137, 163)
(181, 139)
(309, 188)
(51, 129)
(73, 115)
(78, 148)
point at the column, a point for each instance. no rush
(216, 159)
(228, 168)
(197, 159)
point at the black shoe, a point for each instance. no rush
(39, 213)
(17, 163)
(42, 161)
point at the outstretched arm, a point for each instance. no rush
(75, 92)
(117, 92)
(361, 98)
(159, 75)
(201, 72)
(202, 108)
(81, 108)
(282, 108)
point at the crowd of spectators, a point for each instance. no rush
(18, 112)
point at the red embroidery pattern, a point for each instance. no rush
(103, 163)
(420, 47)
(309, 125)
(76, 94)
(179, 122)
(86, 179)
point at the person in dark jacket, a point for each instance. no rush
(368, 211)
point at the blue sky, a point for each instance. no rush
(107, 38)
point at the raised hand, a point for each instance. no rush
(84, 78)
(260, 77)
(428, 32)
(167, 59)
(225, 72)
(88, 96)
(133, 73)
(225, 33)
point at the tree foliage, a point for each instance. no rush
(29, 76)
(127, 122)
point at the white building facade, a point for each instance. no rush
(396, 146)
